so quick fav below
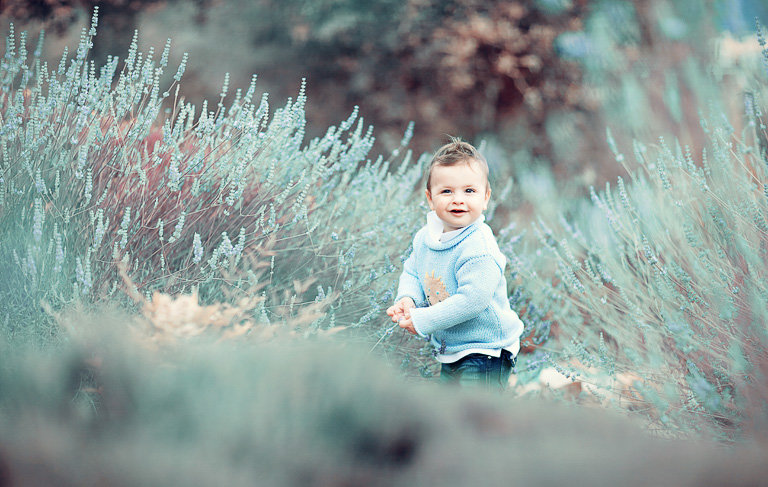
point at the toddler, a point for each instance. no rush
(452, 289)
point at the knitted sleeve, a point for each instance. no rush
(477, 279)
(409, 285)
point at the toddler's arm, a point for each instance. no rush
(409, 292)
(409, 284)
(477, 280)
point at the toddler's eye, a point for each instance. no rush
(471, 190)
(445, 191)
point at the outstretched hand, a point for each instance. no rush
(400, 313)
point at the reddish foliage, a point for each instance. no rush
(152, 200)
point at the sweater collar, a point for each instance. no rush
(435, 227)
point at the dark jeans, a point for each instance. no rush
(478, 369)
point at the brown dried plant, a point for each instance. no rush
(171, 318)
(166, 319)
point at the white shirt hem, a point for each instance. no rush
(454, 357)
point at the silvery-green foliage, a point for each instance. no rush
(102, 167)
(663, 276)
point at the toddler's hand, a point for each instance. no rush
(398, 311)
(407, 324)
(393, 312)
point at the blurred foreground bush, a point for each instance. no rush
(102, 410)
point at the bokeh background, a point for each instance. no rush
(539, 80)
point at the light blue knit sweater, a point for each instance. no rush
(471, 266)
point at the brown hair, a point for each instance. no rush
(456, 152)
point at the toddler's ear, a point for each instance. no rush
(429, 199)
(487, 198)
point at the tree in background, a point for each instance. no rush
(537, 76)
(118, 19)
(461, 66)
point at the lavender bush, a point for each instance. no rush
(661, 277)
(103, 167)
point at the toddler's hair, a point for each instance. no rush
(455, 152)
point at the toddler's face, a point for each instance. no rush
(459, 194)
